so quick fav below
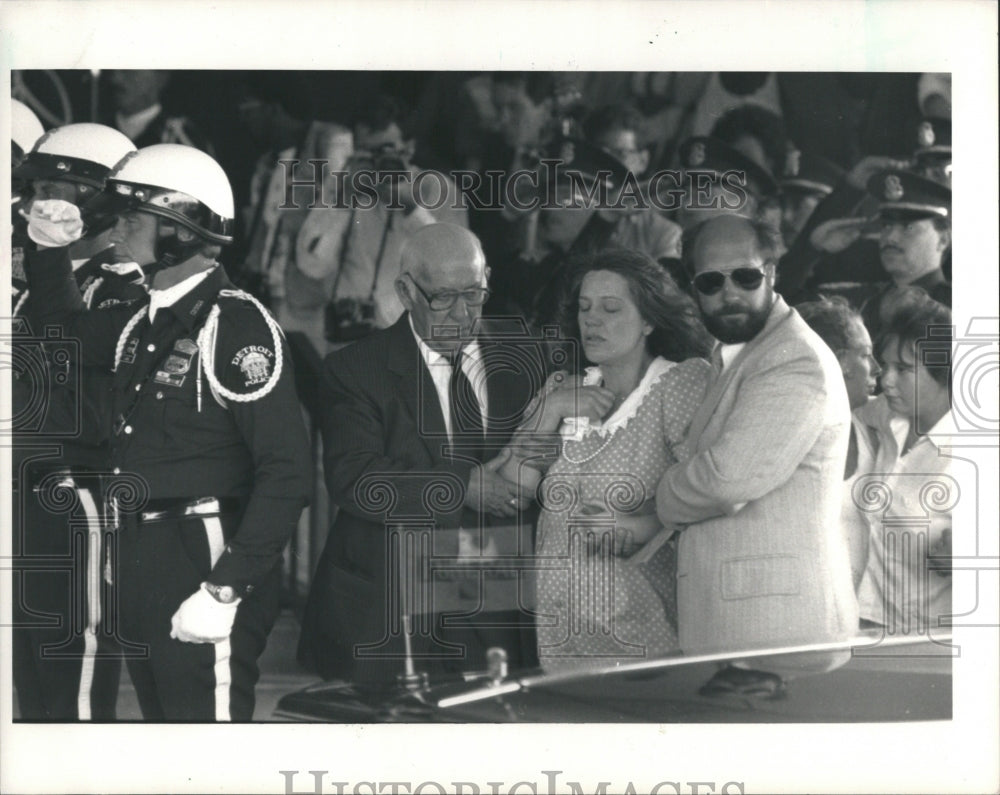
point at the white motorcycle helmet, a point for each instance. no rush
(181, 185)
(80, 153)
(25, 130)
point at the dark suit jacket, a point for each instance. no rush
(387, 463)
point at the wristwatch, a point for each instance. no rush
(225, 594)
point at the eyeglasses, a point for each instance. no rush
(474, 296)
(710, 282)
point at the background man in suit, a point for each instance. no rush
(762, 561)
(413, 411)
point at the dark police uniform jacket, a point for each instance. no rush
(255, 450)
(79, 416)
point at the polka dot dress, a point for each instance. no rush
(596, 608)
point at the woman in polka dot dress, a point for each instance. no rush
(605, 585)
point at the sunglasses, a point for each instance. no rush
(710, 282)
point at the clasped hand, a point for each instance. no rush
(491, 493)
(631, 531)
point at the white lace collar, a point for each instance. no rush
(578, 427)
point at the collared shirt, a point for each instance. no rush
(729, 353)
(440, 370)
(133, 125)
(897, 589)
(172, 294)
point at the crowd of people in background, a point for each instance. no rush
(743, 345)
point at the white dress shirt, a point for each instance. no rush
(897, 590)
(440, 369)
(729, 353)
(170, 296)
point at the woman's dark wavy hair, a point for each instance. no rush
(678, 333)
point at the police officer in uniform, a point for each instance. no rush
(806, 180)
(914, 239)
(205, 413)
(66, 653)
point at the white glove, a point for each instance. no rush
(53, 223)
(201, 618)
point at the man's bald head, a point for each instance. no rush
(442, 260)
(437, 249)
(728, 230)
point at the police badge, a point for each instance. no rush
(893, 188)
(128, 354)
(697, 154)
(793, 162)
(177, 364)
(925, 134)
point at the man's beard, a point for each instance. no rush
(736, 328)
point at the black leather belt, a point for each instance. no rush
(165, 510)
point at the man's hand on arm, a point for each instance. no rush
(490, 493)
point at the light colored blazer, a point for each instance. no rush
(762, 558)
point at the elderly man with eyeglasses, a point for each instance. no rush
(761, 559)
(416, 416)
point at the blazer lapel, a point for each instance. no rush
(415, 388)
(708, 406)
(778, 315)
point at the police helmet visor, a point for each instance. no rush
(121, 197)
(39, 165)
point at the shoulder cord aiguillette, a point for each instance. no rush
(206, 349)
(88, 295)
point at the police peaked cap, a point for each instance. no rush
(908, 195)
(705, 153)
(805, 171)
(932, 138)
(586, 159)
